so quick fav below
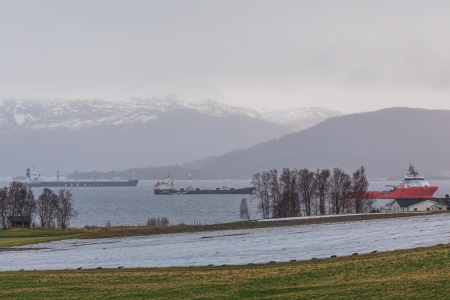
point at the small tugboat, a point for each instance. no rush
(166, 187)
(412, 186)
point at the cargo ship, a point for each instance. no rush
(166, 187)
(412, 186)
(33, 179)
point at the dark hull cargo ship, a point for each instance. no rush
(165, 187)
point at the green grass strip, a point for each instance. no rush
(422, 273)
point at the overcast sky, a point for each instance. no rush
(349, 56)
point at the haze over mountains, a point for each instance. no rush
(386, 142)
(212, 140)
(70, 135)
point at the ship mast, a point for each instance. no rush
(189, 187)
(413, 171)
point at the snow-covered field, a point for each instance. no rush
(234, 247)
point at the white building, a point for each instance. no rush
(416, 205)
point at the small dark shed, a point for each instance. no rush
(19, 221)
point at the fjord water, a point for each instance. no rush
(135, 205)
(97, 206)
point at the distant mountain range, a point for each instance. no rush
(69, 135)
(79, 114)
(386, 142)
(211, 140)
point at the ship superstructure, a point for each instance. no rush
(412, 186)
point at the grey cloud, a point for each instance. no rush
(99, 48)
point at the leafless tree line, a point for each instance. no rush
(295, 193)
(158, 221)
(52, 210)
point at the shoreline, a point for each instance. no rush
(122, 231)
(11, 239)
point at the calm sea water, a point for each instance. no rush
(135, 205)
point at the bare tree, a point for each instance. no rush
(261, 182)
(289, 202)
(274, 193)
(346, 189)
(4, 207)
(30, 204)
(322, 188)
(47, 204)
(20, 201)
(360, 184)
(17, 197)
(340, 187)
(306, 188)
(244, 212)
(65, 210)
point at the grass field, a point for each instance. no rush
(20, 237)
(421, 273)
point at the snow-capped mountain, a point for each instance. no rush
(299, 118)
(77, 114)
(106, 135)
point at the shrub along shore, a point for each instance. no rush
(421, 273)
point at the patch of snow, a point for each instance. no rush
(20, 118)
(76, 114)
(300, 118)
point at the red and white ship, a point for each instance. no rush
(412, 186)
